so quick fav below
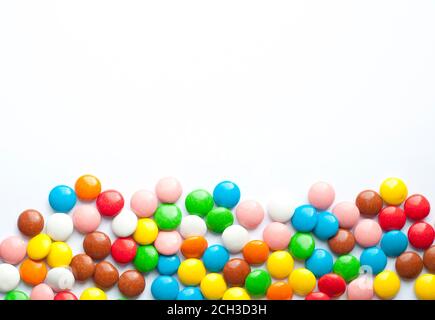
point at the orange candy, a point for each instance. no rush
(88, 187)
(256, 252)
(33, 272)
(193, 247)
(279, 291)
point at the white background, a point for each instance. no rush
(270, 94)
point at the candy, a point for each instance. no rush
(93, 294)
(193, 247)
(131, 283)
(82, 267)
(13, 250)
(360, 289)
(213, 286)
(199, 202)
(317, 296)
(191, 272)
(277, 236)
(235, 271)
(30, 223)
(332, 284)
(105, 275)
(321, 195)
(65, 295)
(168, 242)
(281, 208)
(42, 292)
(374, 258)
(417, 207)
(235, 238)
(257, 282)
(326, 227)
(302, 281)
(39, 247)
(342, 243)
(59, 227)
(146, 231)
(215, 257)
(33, 272)
(250, 214)
(60, 255)
(168, 265)
(347, 266)
(97, 245)
(87, 187)
(62, 199)
(392, 218)
(168, 217)
(218, 219)
(256, 252)
(110, 203)
(301, 245)
(369, 203)
(192, 226)
(168, 190)
(429, 259)
(386, 285)
(86, 219)
(394, 243)
(280, 264)
(60, 279)
(16, 295)
(421, 235)
(347, 214)
(165, 288)
(320, 262)
(144, 203)
(367, 233)
(425, 287)
(190, 293)
(279, 291)
(124, 224)
(236, 294)
(146, 258)
(393, 191)
(409, 265)
(226, 194)
(123, 250)
(305, 218)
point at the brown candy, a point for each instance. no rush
(106, 275)
(409, 265)
(429, 259)
(369, 203)
(235, 271)
(30, 223)
(97, 245)
(131, 283)
(82, 267)
(342, 243)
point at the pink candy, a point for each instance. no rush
(13, 250)
(86, 218)
(321, 195)
(250, 214)
(42, 292)
(360, 289)
(367, 233)
(277, 236)
(144, 203)
(168, 242)
(347, 214)
(168, 190)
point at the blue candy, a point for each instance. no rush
(62, 199)
(320, 262)
(327, 226)
(190, 293)
(394, 243)
(165, 288)
(215, 257)
(226, 194)
(375, 258)
(168, 265)
(304, 218)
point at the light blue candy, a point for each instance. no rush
(168, 265)
(215, 257)
(226, 194)
(375, 258)
(62, 199)
(304, 218)
(190, 293)
(394, 243)
(327, 226)
(320, 263)
(165, 288)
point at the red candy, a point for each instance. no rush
(65, 295)
(317, 296)
(421, 235)
(392, 218)
(110, 203)
(124, 250)
(417, 207)
(332, 284)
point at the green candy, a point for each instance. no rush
(199, 202)
(347, 266)
(302, 245)
(16, 295)
(146, 258)
(218, 219)
(257, 282)
(168, 217)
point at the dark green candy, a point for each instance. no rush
(257, 282)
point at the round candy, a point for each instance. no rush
(409, 265)
(33, 272)
(146, 258)
(374, 258)
(235, 271)
(277, 236)
(131, 283)
(59, 227)
(305, 218)
(16, 295)
(60, 255)
(392, 218)
(317, 296)
(65, 295)
(93, 294)
(332, 284)
(168, 265)
(87, 187)
(97, 245)
(256, 252)
(393, 191)
(82, 267)
(421, 235)
(429, 259)
(417, 207)
(86, 218)
(326, 227)
(39, 247)
(110, 203)
(394, 243)
(279, 291)
(236, 294)
(386, 285)
(144, 203)
(42, 292)
(62, 199)
(218, 219)
(425, 287)
(199, 202)
(369, 203)
(193, 247)
(30, 223)
(250, 214)
(124, 250)
(105, 275)
(168, 242)
(301, 245)
(124, 224)
(190, 293)
(13, 250)
(165, 288)
(191, 272)
(342, 243)
(146, 231)
(320, 262)
(213, 286)
(302, 281)
(367, 233)
(281, 208)
(347, 266)
(168, 217)
(215, 257)
(192, 226)
(347, 214)
(321, 195)
(234, 238)
(226, 194)
(360, 289)
(168, 190)
(257, 282)
(280, 264)
(60, 279)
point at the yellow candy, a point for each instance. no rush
(191, 272)
(213, 286)
(236, 293)
(425, 287)
(93, 294)
(386, 285)
(39, 247)
(394, 191)
(280, 264)
(146, 231)
(60, 255)
(302, 281)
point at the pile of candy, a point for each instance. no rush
(155, 236)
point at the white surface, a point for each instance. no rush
(272, 95)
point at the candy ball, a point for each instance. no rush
(280, 264)
(386, 285)
(347, 214)
(257, 282)
(97, 245)
(421, 235)
(417, 207)
(347, 266)
(304, 218)
(192, 226)
(321, 195)
(86, 219)
(168, 265)
(332, 284)
(65, 295)
(144, 203)
(409, 265)
(62, 199)
(326, 227)
(394, 243)
(392, 218)
(30, 223)
(226, 194)
(393, 191)
(59, 226)
(146, 258)
(190, 293)
(60, 279)
(131, 283)
(191, 272)
(33, 272)
(213, 286)
(235, 238)
(193, 247)
(342, 243)
(123, 250)
(146, 231)
(425, 287)
(281, 208)
(168, 190)
(360, 289)
(39, 247)
(250, 214)
(302, 281)
(16, 295)
(215, 257)
(110, 203)
(369, 203)
(168, 217)
(42, 292)
(168, 242)
(218, 219)
(199, 202)
(236, 294)
(124, 224)
(317, 296)
(256, 252)
(367, 233)
(87, 187)
(60, 255)
(82, 267)
(9, 277)
(93, 294)
(374, 258)
(429, 259)
(13, 250)
(320, 262)
(301, 245)
(235, 271)
(277, 236)
(279, 291)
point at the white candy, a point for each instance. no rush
(281, 208)
(124, 224)
(60, 279)
(234, 238)
(59, 226)
(192, 226)
(9, 277)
